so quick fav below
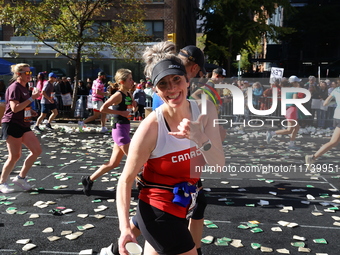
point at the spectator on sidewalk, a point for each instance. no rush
(69, 80)
(82, 93)
(311, 82)
(321, 112)
(140, 97)
(16, 128)
(331, 107)
(149, 91)
(257, 94)
(65, 86)
(82, 89)
(66, 96)
(315, 104)
(89, 83)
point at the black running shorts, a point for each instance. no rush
(167, 234)
(13, 129)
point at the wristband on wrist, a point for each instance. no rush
(31, 99)
(206, 146)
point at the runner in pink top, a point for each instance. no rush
(40, 84)
(98, 94)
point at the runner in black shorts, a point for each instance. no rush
(16, 129)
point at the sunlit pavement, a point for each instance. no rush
(286, 208)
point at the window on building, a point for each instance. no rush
(97, 27)
(155, 30)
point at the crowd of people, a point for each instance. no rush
(170, 196)
(55, 98)
(262, 95)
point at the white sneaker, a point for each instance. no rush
(104, 130)
(269, 137)
(22, 183)
(4, 188)
(309, 161)
(106, 250)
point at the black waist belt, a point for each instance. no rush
(142, 183)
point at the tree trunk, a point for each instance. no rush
(77, 77)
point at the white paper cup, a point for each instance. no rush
(133, 248)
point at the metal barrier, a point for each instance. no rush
(263, 103)
(83, 109)
(319, 118)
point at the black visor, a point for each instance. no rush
(164, 68)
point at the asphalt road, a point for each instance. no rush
(245, 193)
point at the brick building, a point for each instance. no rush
(162, 17)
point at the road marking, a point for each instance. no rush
(304, 226)
(58, 252)
(278, 180)
(7, 250)
(330, 184)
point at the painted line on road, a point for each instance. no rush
(304, 226)
(330, 184)
(278, 198)
(283, 180)
(7, 250)
(41, 252)
(58, 252)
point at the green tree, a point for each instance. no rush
(78, 30)
(231, 26)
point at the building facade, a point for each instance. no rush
(314, 47)
(162, 17)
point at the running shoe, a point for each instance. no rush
(48, 126)
(104, 130)
(36, 128)
(269, 137)
(294, 147)
(4, 188)
(87, 185)
(107, 251)
(309, 161)
(22, 183)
